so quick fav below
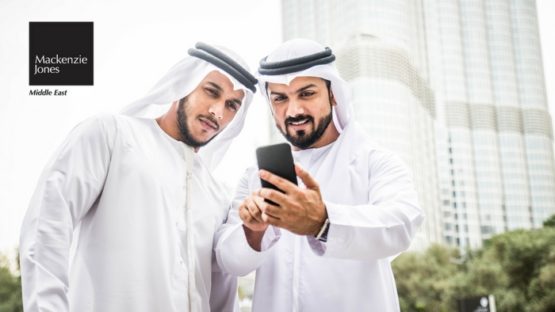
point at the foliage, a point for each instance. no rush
(10, 288)
(517, 267)
(424, 279)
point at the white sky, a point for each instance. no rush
(135, 43)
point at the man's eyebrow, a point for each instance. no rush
(298, 91)
(276, 93)
(305, 87)
(216, 86)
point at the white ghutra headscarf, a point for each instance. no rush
(185, 76)
(307, 58)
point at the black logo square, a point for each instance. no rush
(60, 53)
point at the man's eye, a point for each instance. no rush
(232, 106)
(278, 98)
(307, 93)
(212, 92)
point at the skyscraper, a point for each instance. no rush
(380, 49)
(489, 74)
(457, 89)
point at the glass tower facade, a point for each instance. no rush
(456, 88)
(380, 49)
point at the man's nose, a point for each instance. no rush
(217, 109)
(295, 108)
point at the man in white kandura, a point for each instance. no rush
(140, 192)
(328, 244)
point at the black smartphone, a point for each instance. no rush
(277, 159)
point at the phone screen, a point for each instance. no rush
(278, 160)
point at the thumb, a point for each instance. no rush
(307, 179)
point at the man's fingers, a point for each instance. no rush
(273, 195)
(273, 211)
(266, 207)
(244, 214)
(307, 179)
(278, 181)
(253, 209)
(271, 220)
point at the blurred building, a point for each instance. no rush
(456, 88)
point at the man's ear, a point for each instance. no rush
(332, 99)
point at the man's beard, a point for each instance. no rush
(184, 132)
(305, 140)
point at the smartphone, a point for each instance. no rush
(277, 159)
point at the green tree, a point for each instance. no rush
(425, 279)
(549, 222)
(10, 288)
(517, 267)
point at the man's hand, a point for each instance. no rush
(251, 215)
(301, 211)
(253, 224)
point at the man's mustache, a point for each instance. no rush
(211, 119)
(298, 118)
